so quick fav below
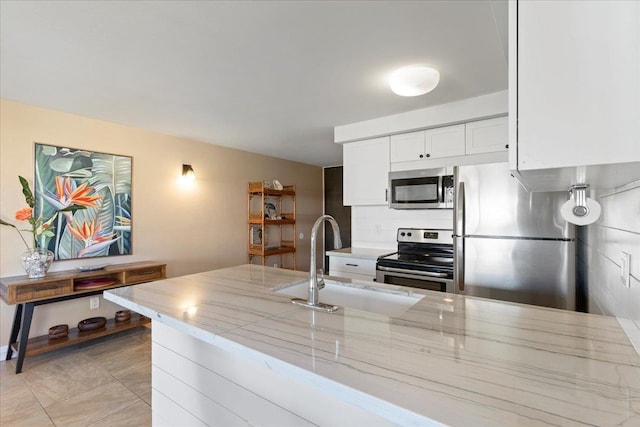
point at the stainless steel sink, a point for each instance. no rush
(357, 295)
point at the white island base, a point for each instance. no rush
(229, 348)
(196, 383)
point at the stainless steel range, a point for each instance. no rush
(424, 260)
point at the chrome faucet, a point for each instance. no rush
(314, 283)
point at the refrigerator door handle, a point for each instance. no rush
(458, 259)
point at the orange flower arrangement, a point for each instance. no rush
(39, 227)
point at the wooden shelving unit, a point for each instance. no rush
(267, 236)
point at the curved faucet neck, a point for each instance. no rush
(313, 274)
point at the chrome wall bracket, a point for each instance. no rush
(579, 193)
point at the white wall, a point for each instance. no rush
(367, 220)
(600, 248)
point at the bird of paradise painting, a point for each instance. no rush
(86, 199)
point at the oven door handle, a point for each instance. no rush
(422, 273)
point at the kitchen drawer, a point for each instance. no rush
(355, 268)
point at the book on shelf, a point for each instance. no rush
(255, 237)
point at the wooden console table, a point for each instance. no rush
(62, 286)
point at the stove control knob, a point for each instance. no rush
(402, 234)
(409, 234)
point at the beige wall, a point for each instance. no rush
(191, 228)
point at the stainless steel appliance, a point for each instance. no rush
(511, 244)
(424, 260)
(421, 189)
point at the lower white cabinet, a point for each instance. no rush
(366, 169)
(352, 268)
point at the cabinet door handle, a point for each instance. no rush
(386, 194)
(506, 146)
(421, 156)
(428, 155)
(352, 265)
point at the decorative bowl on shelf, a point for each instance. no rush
(86, 268)
(92, 323)
(96, 282)
(123, 315)
(58, 331)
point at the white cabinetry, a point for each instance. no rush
(407, 146)
(487, 136)
(352, 268)
(366, 168)
(445, 141)
(574, 92)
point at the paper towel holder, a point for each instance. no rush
(579, 192)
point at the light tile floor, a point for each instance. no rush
(104, 382)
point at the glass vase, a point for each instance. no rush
(36, 262)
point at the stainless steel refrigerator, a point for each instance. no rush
(510, 244)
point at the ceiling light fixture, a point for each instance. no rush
(413, 80)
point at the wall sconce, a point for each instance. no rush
(188, 172)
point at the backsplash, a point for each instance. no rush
(600, 248)
(376, 226)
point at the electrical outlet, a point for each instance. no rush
(625, 266)
(94, 303)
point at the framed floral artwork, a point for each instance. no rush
(84, 200)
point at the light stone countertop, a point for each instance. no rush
(360, 253)
(448, 359)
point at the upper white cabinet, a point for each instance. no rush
(366, 169)
(445, 141)
(407, 147)
(487, 136)
(574, 88)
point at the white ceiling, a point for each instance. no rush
(267, 77)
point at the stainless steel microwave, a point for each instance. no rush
(421, 189)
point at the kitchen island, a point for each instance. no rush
(227, 350)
